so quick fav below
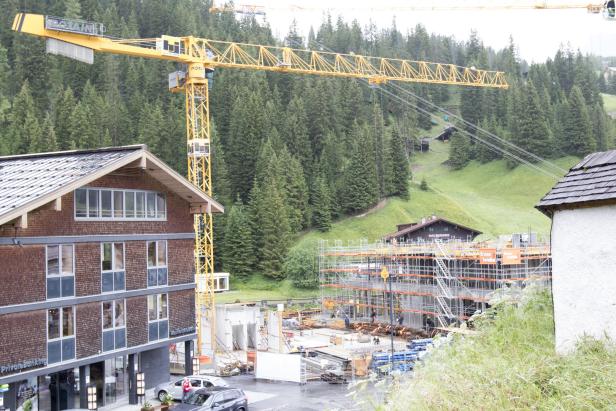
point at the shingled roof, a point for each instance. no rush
(425, 223)
(592, 180)
(32, 180)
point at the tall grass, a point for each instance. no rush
(511, 364)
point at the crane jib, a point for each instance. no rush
(79, 39)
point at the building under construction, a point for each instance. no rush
(433, 284)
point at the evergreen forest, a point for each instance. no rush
(290, 152)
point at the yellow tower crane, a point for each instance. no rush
(79, 40)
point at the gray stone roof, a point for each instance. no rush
(593, 179)
(32, 180)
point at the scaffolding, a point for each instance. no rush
(434, 284)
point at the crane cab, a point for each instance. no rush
(609, 10)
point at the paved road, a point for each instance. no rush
(313, 396)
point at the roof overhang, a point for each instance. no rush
(157, 169)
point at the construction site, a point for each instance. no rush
(127, 301)
(431, 284)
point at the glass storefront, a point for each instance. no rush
(116, 379)
(60, 391)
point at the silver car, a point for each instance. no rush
(174, 388)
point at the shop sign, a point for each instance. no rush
(24, 365)
(182, 331)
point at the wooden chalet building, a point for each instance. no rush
(430, 229)
(97, 274)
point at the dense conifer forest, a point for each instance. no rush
(291, 153)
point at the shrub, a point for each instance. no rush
(301, 268)
(424, 185)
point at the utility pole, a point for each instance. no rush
(386, 277)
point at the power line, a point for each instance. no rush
(491, 146)
(490, 134)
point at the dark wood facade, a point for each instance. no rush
(431, 229)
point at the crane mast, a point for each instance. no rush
(79, 40)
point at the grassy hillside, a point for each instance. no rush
(609, 102)
(489, 197)
(511, 365)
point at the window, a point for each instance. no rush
(112, 267)
(60, 334)
(157, 263)
(60, 271)
(114, 325)
(118, 204)
(158, 314)
(110, 204)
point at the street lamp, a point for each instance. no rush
(196, 365)
(140, 385)
(92, 401)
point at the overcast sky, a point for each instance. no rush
(537, 33)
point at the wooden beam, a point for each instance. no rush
(201, 209)
(22, 222)
(144, 162)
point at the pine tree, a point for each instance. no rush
(577, 136)
(22, 121)
(151, 129)
(321, 205)
(5, 73)
(378, 132)
(270, 228)
(296, 192)
(72, 9)
(81, 134)
(246, 134)
(459, 151)
(238, 254)
(64, 109)
(400, 172)
(295, 133)
(49, 134)
(600, 127)
(360, 180)
(35, 135)
(533, 133)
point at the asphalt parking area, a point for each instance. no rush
(313, 396)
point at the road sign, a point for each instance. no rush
(384, 273)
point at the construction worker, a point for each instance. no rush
(372, 316)
(400, 319)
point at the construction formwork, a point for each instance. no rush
(433, 284)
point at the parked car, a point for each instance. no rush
(174, 388)
(215, 399)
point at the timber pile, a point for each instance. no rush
(383, 329)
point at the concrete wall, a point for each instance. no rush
(230, 316)
(584, 279)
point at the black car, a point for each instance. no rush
(215, 399)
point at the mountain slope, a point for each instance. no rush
(489, 197)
